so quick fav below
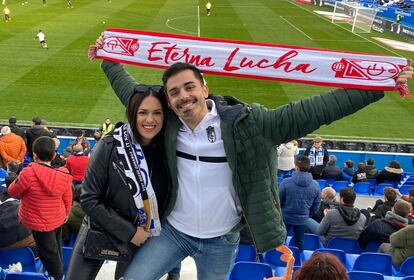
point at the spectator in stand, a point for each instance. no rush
(97, 136)
(321, 266)
(13, 170)
(34, 132)
(12, 147)
(46, 199)
(15, 128)
(77, 163)
(299, 199)
(328, 201)
(346, 221)
(286, 158)
(107, 126)
(370, 169)
(401, 245)
(349, 168)
(45, 126)
(331, 170)
(381, 229)
(58, 160)
(318, 156)
(392, 172)
(360, 175)
(13, 234)
(381, 207)
(81, 139)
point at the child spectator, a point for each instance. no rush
(349, 168)
(381, 207)
(46, 199)
(13, 169)
(360, 175)
(371, 169)
(321, 266)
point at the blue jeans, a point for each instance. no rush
(312, 226)
(214, 257)
(298, 234)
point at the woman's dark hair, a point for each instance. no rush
(349, 163)
(321, 266)
(140, 93)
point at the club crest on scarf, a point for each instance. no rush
(364, 69)
(211, 134)
(120, 45)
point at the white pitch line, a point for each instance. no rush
(368, 40)
(291, 24)
(178, 29)
(198, 21)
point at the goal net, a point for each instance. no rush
(360, 17)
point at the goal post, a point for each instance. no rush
(361, 18)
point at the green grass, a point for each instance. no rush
(63, 87)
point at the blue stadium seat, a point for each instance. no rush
(407, 267)
(340, 254)
(322, 183)
(310, 242)
(23, 255)
(394, 184)
(362, 188)
(408, 278)
(25, 276)
(250, 271)
(365, 275)
(66, 253)
(374, 262)
(338, 185)
(404, 188)
(379, 190)
(246, 253)
(372, 246)
(373, 183)
(330, 181)
(273, 259)
(349, 246)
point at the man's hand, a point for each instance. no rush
(94, 48)
(405, 75)
(139, 237)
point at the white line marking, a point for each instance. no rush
(291, 24)
(375, 43)
(178, 29)
(198, 20)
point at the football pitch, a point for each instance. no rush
(60, 85)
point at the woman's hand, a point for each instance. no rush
(94, 48)
(139, 237)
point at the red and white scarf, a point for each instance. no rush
(255, 60)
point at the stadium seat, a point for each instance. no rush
(404, 188)
(340, 254)
(407, 267)
(365, 275)
(394, 184)
(349, 246)
(372, 246)
(379, 190)
(374, 262)
(310, 242)
(408, 277)
(273, 259)
(362, 188)
(66, 253)
(373, 183)
(246, 253)
(322, 184)
(338, 185)
(23, 255)
(250, 271)
(330, 181)
(25, 276)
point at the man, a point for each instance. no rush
(346, 221)
(401, 245)
(332, 171)
(107, 126)
(370, 169)
(299, 199)
(35, 132)
(6, 12)
(381, 207)
(42, 38)
(381, 229)
(82, 140)
(208, 8)
(318, 156)
(328, 201)
(15, 128)
(222, 161)
(12, 147)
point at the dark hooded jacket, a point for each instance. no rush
(325, 204)
(11, 230)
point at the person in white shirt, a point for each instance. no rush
(208, 8)
(42, 39)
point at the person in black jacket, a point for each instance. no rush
(16, 129)
(391, 173)
(381, 207)
(381, 229)
(106, 196)
(35, 132)
(318, 156)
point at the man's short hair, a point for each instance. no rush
(37, 120)
(78, 132)
(317, 139)
(348, 196)
(303, 163)
(370, 161)
(332, 160)
(390, 194)
(180, 67)
(12, 120)
(401, 208)
(13, 166)
(44, 148)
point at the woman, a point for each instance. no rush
(391, 173)
(286, 158)
(106, 197)
(321, 266)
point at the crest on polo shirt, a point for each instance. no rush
(211, 134)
